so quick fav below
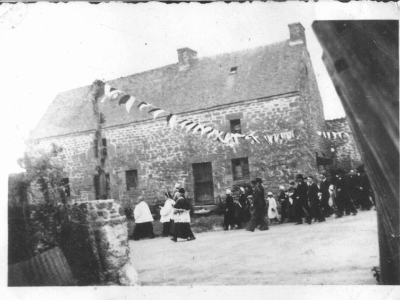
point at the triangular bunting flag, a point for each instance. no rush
(270, 139)
(206, 129)
(171, 120)
(328, 134)
(334, 135)
(190, 126)
(280, 138)
(129, 103)
(156, 112)
(235, 137)
(212, 133)
(254, 138)
(123, 99)
(324, 134)
(198, 127)
(220, 135)
(183, 123)
(114, 93)
(143, 105)
(227, 138)
(345, 134)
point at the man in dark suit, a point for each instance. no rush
(257, 213)
(364, 189)
(343, 200)
(324, 195)
(301, 207)
(313, 200)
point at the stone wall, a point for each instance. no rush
(347, 156)
(164, 156)
(312, 107)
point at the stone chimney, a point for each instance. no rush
(186, 57)
(297, 35)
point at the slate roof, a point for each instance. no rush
(262, 72)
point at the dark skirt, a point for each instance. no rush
(167, 228)
(143, 230)
(182, 230)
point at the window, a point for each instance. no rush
(233, 70)
(235, 126)
(97, 186)
(131, 179)
(240, 168)
(66, 188)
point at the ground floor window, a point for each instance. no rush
(240, 168)
(131, 177)
(203, 183)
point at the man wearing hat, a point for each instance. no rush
(257, 214)
(300, 201)
(343, 200)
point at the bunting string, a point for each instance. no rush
(228, 138)
(330, 135)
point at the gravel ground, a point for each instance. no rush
(338, 251)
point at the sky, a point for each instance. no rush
(49, 48)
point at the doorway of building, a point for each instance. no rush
(203, 183)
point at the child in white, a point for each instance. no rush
(272, 208)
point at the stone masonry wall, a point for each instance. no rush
(312, 108)
(163, 157)
(347, 156)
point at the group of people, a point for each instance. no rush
(304, 199)
(175, 217)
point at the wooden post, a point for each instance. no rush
(97, 92)
(362, 58)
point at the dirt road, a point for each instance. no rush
(338, 251)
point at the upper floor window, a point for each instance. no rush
(235, 126)
(233, 70)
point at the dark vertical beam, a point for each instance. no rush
(362, 58)
(96, 93)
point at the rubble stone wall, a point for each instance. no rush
(164, 156)
(347, 156)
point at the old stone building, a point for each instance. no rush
(345, 153)
(266, 90)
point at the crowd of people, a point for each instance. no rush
(304, 200)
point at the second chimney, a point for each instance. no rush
(297, 35)
(186, 56)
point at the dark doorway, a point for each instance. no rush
(203, 184)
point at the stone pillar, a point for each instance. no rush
(106, 219)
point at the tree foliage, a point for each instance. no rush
(46, 171)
